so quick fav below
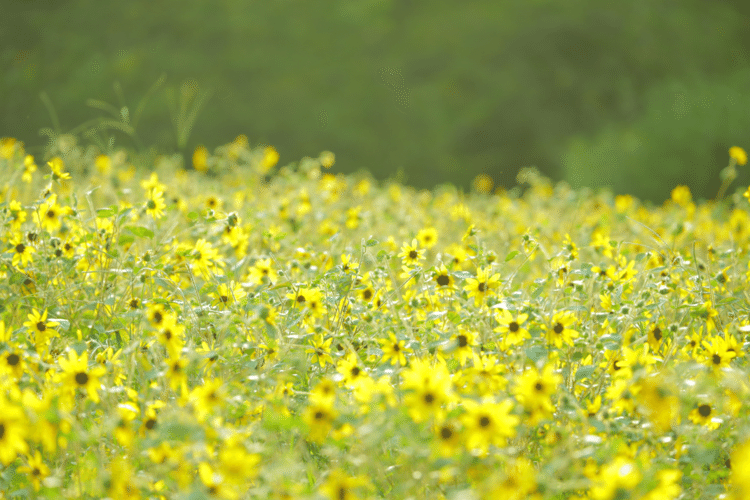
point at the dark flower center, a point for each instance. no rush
(82, 378)
(462, 341)
(482, 287)
(484, 421)
(704, 410)
(443, 280)
(513, 326)
(716, 359)
(559, 328)
(446, 432)
(13, 359)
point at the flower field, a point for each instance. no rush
(240, 329)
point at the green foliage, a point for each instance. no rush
(438, 91)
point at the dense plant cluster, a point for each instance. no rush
(224, 333)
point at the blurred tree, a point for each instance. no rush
(442, 90)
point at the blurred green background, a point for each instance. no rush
(639, 96)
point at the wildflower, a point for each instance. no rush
(176, 374)
(655, 337)
(658, 401)
(171, 335)
(447, 439)
(559, 331)
(17, 215)
(321, 350)
(35, 469)
(200, 159)
(327, 159)
(394, 350)
(444, 280)
(207, 396)
(22, 253)
(205, 258)
(485, 377)
(323, 393)
(341, 486)
(227, 295)
(616, 479)
(13, 437)
(703, 414)
(319, 418)
(57, 166)
(411, 254)
(464, 340)
(78, 375)
(41, 329)
(534, 391)
(431, 390)
(668, 487)
(155, 204)
(738, 154)
(350, 369)
(482, 286)
(488, 423)
(214, 482)
(12, 362)
(263, 272)
(740, 473)
(427, 237)
(49, 214)
(715, 354)
(681, 195)
(270, 159)
(9, 146)
(158, 317)
(511, 326)
(348, 265)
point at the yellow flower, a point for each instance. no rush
(200, 159)
(511, 326)
(327, 159)
(534, 390)
(270, 159)
(681, 195)
(41, 329)
(427, 237)
(738, 154)
(36, 470)
(488, 423)
(57, 165)
(13, 438)
(704, 414)
(341, 486)
(155, 204)
(482, 286)
(411, 255)
(77, 374)
(394, 350)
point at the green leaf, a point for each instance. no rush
(584, 372)
(536, 352)
(106, 212)
(125, 239)
(512, 254)
(141, 231)
(372, 242)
